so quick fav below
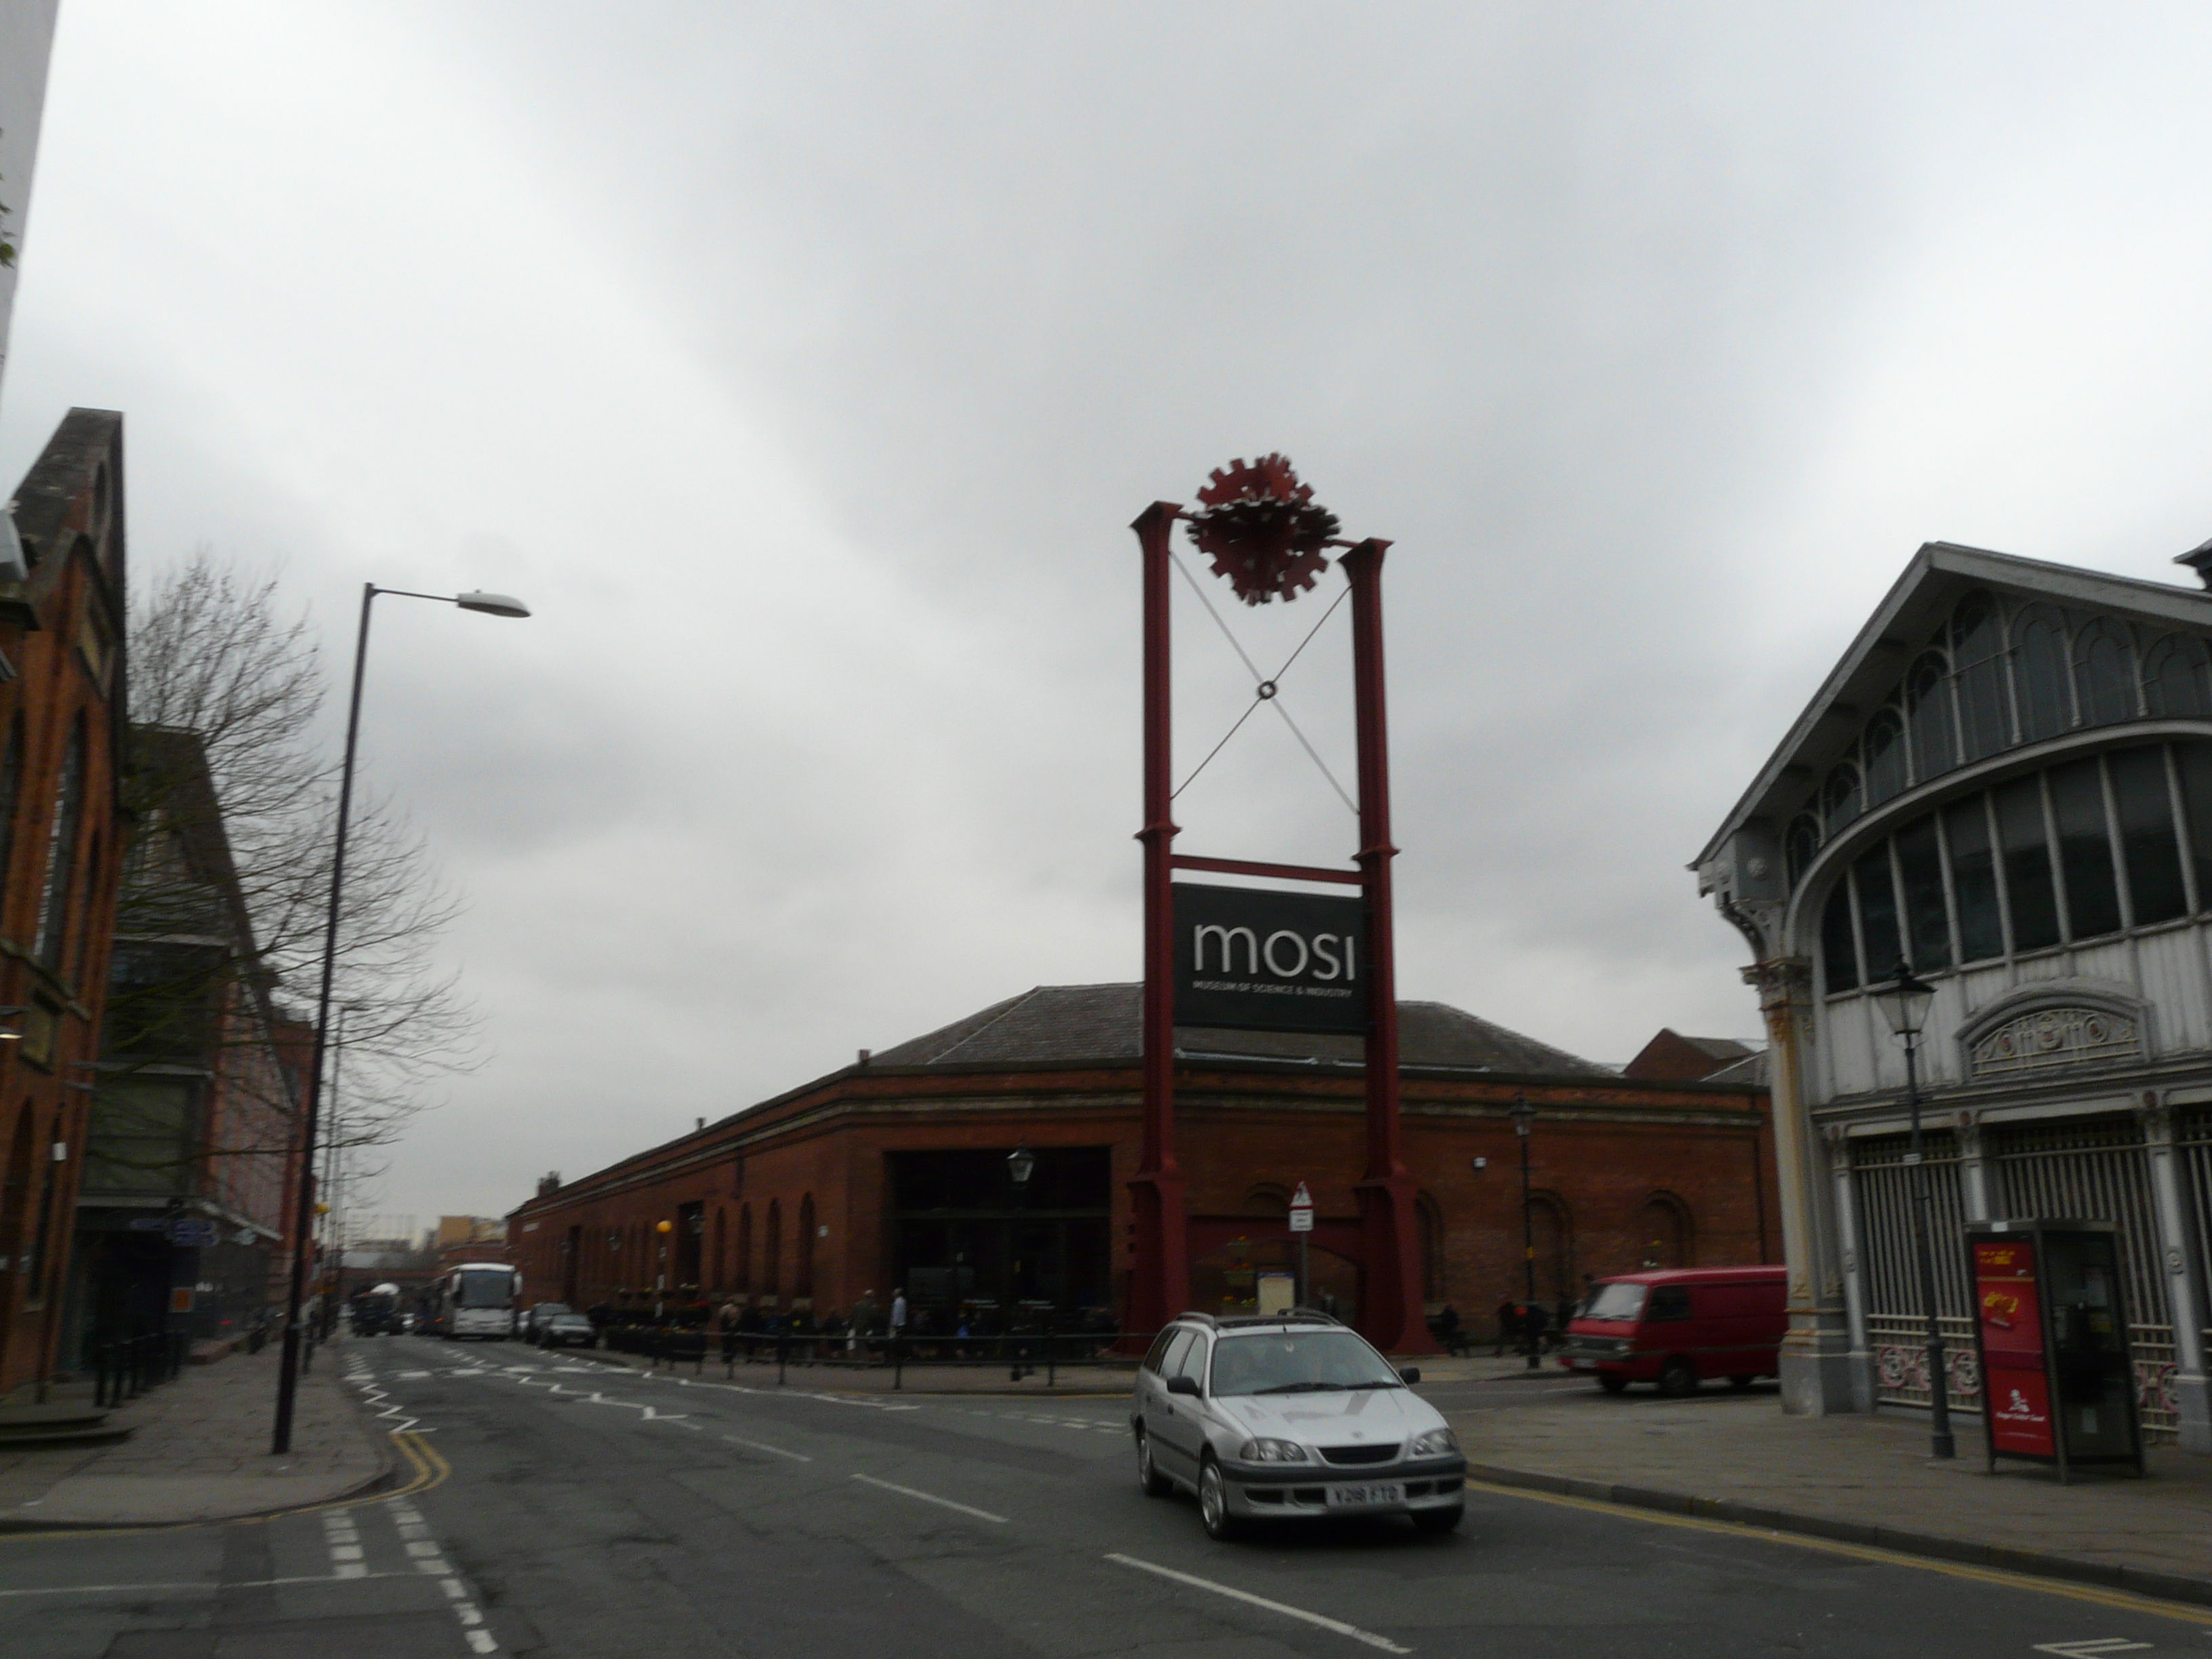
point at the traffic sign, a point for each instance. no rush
(1302, 1211)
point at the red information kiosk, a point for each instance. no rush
(2051, 1331)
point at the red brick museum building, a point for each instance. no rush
(895, 1171)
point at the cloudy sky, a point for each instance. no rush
(803, 368)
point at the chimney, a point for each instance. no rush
(2199, 559)
(699, 1123)
(549, 1182)
(864, 1057)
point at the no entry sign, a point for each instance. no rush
(1258, 961)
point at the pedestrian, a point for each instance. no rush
(1447, 1329)
(898, 1316)
(1508, 1324)
(1563, 1317)
(727, 1320)
(1534, 1319)
(864, 1319)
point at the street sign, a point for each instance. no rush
(1302, 1211)
(1248, 959)
(193, 1233)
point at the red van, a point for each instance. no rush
(1678, 1326)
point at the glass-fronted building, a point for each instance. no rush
(2006, 784)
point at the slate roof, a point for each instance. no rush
(1056, 1024)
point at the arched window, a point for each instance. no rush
(802, 1277)
(745, 1247)
(61, 852)
(1800, 847)
(1839, 797)
(1268, 1199)
(2041, 677)
(1978, 659)
(772, 1250)
(2104, 673)
(2174, 679)
(1668, 1238)
(1839, 945)
(722, 1248)
(1430, 1218)
(1882, 748)
(11, 791)
(36, 1260)
(1928, 717)
(87, 912)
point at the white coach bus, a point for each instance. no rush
(476, 1298)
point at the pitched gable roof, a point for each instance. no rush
(1939, 576)
(1056, 1024)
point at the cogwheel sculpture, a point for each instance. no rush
(1262, 528)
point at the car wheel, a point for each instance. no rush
(1150, 1479)
(1439, 1520)
(1677, 1377)
(1213, 1502)
(1610, 1384)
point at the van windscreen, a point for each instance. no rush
(1615, 1302)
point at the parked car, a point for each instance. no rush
(1290, 1416)
(1676, 1327)
(534, 1322)
(566, 1330)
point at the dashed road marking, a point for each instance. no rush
(796, 1457)
(931, 1498)
(1287, 1611)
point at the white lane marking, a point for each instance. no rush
(1235, 1595)
(931, 1497)
(2091, 1649)
(480, 1641)
(209, 1588)
(796, 1457)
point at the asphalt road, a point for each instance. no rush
(564, 1508)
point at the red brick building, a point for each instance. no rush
(895, 1171)
(61, 710)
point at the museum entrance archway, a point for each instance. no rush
(973, 1247)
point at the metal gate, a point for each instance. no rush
(1897, 1328)
(2093, 1168)
(2192, 1137)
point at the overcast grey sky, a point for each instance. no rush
(804, 366)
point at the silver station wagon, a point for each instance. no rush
(1290, 1416)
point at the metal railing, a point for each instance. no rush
(127, 1367)
(1021, 1354)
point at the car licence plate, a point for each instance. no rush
(1373, 1495)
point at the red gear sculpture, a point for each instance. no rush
(1262, 528)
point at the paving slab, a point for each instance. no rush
(1865, 1478)
(199, 1451)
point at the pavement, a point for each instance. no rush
(199, 1451)
(1865, 1478)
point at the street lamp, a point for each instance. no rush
(1905, 1004)
(1524, 1115)
(287, 1376)
(1021, 1162)
(661, 1228)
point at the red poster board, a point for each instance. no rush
(2007, 1303)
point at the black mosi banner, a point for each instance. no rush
(1269, 962)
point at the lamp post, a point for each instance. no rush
(1021, 1164)
(303, 1217)
(1905, 1006)
(660, 1230)
(1524, 1115)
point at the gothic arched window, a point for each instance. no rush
(2173, 678)
(1883, 748)
(1840, 800)
(1928, 716)
(2046, 707)
(1978, 657)
(1800, 847)
(2104, 673)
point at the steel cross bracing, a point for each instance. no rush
(1265, 689)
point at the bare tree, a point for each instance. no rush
(234, 799)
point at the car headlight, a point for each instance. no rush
(1271, 1451)
(1435, 1444)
